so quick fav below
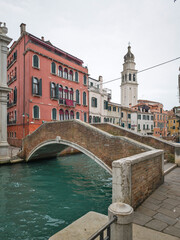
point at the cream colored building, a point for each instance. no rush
(98, 100)
(126, 117)
(129, 85)
(114, 113)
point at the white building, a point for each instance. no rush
(98, 100)
(129, 85)
(142, 120)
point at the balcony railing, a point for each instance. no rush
(11, 122)
(106, 228)
(12, 79)
(11, 104)
(12, 62)
(67, 102)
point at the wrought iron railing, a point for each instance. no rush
(105, 232)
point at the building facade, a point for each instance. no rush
(129, 85)
(173, 122)
(114, 113)
(160, 117)
(47, 84)
(98, 100)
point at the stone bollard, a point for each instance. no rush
(122, 229)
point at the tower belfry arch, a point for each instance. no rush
(129, 85)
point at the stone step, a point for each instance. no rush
(169, 167)
(16, 160)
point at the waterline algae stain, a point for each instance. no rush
(40, 198)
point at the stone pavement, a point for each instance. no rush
(161, 211)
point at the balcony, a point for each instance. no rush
(12, 62)
(11, 122)
(67, 102)
(11, 104)
(11, 80)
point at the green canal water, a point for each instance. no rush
(40, 198)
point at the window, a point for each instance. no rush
(147, 127)
(122, 124)
(53, 114)
(139, 117)
(71, 93)
(66, 115)
(53, 90)
(90, 119)
(71, 75)
(15, 116)
(85, 117)
(15, 95)
(143, 126)
(36, 112)
(53, 68)
(76, 77)
(60, 94)
(65, 73)
(144, 117)
(114, 109)
(35, 61)
(60, 71)
(129, 115)
(94, 102)
(85, 80)
(139, 127)
(134, 77)
(77, 97)
(72, 114)
(129, 125)
(147, 117)
(77, 115)
(36, 86)
(91, 84)
(84, 98)
(151, 117)
(130, 77)
(66, 91)
(122, 114)
(105, 104)
(61, 115)
(151, 127)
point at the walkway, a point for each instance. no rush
(161, 211)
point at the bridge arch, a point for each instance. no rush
(52, 148)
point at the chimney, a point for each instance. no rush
(42, 38)
(23, 28)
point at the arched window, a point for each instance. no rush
(35, 61)
(77, 115)
(61, 115)
(36, 112)
(85, 80)
(54, 114)
(76, 77)
(72, 114)
(71, 75)
(53, 68)
(134, 77)
(35, 86)
(53, 90)
(66, 115)
(66, 73)
(84, 98)
(66, 91)
(60, 71)
(77, 96)
(71, 93)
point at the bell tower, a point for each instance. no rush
(129, 85)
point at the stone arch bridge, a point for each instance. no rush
(53, 137)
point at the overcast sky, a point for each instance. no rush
(98, 32)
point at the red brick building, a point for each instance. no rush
(47, 84)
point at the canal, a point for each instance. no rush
(38, 199)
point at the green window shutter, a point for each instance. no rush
(32, 86)
(50, 89)
(57, 91)
(95, 102)
(40, 87)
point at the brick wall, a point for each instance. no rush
(103, 145)
(154, 142)
(146, 176)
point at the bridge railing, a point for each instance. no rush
(105, 232)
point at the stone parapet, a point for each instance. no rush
(136, 177)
